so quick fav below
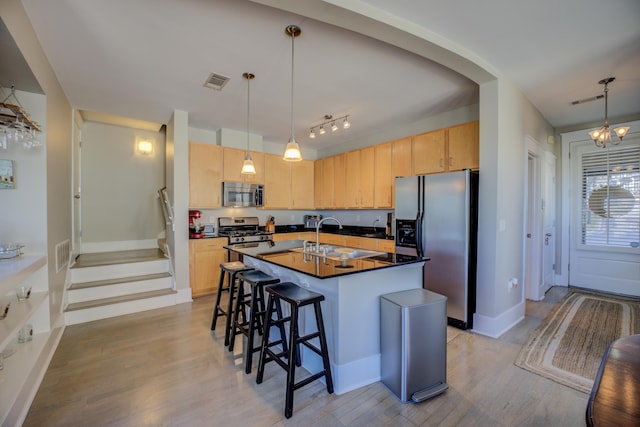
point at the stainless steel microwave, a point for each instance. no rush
(241, 195)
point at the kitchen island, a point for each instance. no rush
(352, 286)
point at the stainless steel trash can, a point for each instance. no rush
(413, 343)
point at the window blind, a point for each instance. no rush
(610, 211)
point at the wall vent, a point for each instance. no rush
(216, 81)
(63, 251)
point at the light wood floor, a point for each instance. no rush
(166, 368)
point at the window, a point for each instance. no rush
(610, 212)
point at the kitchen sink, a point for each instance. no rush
(340, 253)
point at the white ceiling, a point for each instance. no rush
(142, 59)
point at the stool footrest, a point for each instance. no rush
(308, 380)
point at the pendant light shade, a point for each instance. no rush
(292, 150)
(248, 167)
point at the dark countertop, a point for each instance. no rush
(347, 230)
(284, 255)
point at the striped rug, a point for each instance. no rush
(569, 344)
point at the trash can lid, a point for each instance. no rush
(413, 297)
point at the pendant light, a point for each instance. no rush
(292, 151)
(603, 135)
(247, 167)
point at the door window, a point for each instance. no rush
(610, 197)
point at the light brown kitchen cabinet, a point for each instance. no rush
(332, 239)
(302, 186)
(288, 185)
(318, 183)
(352, 179)
(386, 245)
(339, 177)
(233, 158)
(361, 242)
(401, 157)
(464, 146)
(429, 152)
(326, 175)
(205, 175)
(359, 176)
(367, 177)
(383, 181)
(449, 149)
(205, 257)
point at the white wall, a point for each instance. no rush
(119, 187)
(53, 210)
(178, 192)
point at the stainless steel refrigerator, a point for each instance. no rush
(436, 217)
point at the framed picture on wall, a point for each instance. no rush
(7, 180)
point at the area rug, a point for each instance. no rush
(569, 344)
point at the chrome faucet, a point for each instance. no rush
(374, 224)
(318, 229)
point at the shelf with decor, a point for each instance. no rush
(24, 362)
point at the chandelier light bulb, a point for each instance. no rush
(322, 131)
(346, 124)
(312, 134)
(334, 127)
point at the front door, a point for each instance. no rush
(604, 248)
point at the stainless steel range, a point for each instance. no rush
(242, 230)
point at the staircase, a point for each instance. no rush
(109, 284)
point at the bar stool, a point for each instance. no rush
(297, 297)
(254, 303)
(232, 268)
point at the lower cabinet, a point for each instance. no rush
(205, 257)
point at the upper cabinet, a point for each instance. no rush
(464, 146)
(205, 175)
(429, 152)
(383, 180)
(233, 158)
(359, 175)
(302, 186)
(450, 149)
(288, 185)
(401, 157)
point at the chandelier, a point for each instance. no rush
(603, 135)
(329, 120)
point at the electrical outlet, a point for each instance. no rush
(512, 284)
(212, 219)
(378, 218)
(357, 218)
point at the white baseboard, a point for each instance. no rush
(123, 245)
(493, 327)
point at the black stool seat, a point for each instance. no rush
(253, 302)
(296, 297)
(232, 268)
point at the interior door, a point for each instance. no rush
(548, 222)
(77, 187)
(604, 251)
(532, 264)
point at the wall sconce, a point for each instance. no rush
(144, 146)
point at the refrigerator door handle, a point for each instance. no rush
(420, 217)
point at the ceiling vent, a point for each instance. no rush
(216, 81)
(582, 101)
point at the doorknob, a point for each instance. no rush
(77, 196)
